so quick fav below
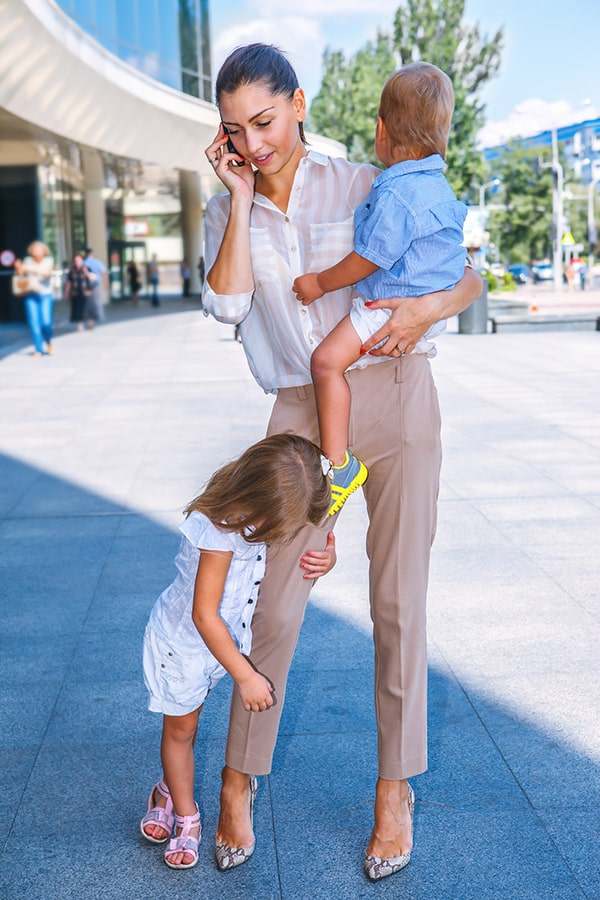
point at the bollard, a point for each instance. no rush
(474, 318)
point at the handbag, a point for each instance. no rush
(27, 283)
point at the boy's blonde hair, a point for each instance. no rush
(416, 106)
(275, 488)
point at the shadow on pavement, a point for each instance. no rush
(505, 810)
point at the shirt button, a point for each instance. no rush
(243, 624)
(257, 582)
(250, 600)
(293, 249)
(259, 558)
(286, 219)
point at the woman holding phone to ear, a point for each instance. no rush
(286, 211)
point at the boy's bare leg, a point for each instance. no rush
(330, 360)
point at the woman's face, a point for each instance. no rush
(264, 126)
(38, 252)
(78, 261)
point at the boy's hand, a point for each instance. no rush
(319, 562)
(255, 692)
(307, 289)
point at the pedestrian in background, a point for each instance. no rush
(184, 271)
(39, 302)
(100, 289)
(78, 291)
(153, 279)
(133, 276)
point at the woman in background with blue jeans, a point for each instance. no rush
(39, 303)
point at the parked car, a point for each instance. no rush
(520, 272)
(542, 272)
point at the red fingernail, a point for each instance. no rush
(368, 302)
(362, 352)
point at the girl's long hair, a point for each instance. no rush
(275, 488)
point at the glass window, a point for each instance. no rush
(106, 19)
(126, 24)
(148, 26)
(83, 12)
(169, 32)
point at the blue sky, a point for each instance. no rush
(550, 62)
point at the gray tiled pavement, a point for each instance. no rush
(101, 447)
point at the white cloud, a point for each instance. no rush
(533, 116)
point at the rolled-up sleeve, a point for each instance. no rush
(228, 308)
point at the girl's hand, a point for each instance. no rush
(238, 180)
(319, 562)
(307, 288)
(18, 266)
(255, 691)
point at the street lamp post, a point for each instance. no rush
(591, 222)
(482, 210)
(557, 210)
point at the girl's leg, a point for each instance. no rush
(177, 755)
(32, 311)
(330, 360)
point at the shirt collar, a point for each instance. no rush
(409, 166)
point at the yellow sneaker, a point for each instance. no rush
(345, 479)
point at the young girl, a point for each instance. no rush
(199, 627)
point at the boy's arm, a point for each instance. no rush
(348, 271)
(254, 688)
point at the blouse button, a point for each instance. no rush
(162, 665)
(257, 582)
(293, 249)
(259, 558)
(243, 624)
(170, 654)
(250, 600)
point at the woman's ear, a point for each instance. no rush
(299, 102)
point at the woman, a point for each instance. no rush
(135, 284)
(289, 211)
(78, 290)
(39, 303)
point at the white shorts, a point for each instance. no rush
(178, 683)
(367, 321)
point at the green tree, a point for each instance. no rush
(522, 231)
(346, 105)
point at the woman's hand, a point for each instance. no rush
(255, 691)
(412, 317)
(18, 266)
(307, 288)
(239, 180)
(319, 562)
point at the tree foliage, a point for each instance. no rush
(522, 231)
(346, 105)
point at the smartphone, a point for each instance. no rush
(231, 148)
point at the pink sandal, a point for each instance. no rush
(162, 816)
(185, 842)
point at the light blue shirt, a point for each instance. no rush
(411, 226)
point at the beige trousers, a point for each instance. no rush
(395, 430)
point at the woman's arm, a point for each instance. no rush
(412, 317)
(231, 270)
(255, 690)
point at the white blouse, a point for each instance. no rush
(316, 231)
(171, 616)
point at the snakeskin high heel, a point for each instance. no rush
(378, 867)
(229, 857)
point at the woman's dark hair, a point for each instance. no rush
(262, 63)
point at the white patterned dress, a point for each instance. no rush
(179, 669)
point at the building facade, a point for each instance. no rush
(105, 111)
